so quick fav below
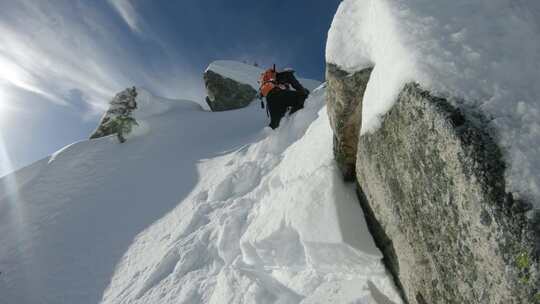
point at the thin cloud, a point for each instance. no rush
(126, 10)
(49, 54)
(52, 48)
(16, 76)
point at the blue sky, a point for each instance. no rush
(62, 61)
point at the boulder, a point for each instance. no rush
(119, 117)
(225, 93)
(345, 91)
(431, 184)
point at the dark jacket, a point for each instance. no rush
(287, 78)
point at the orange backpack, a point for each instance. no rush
(268, 81)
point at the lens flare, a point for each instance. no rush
(6, 107)
(15, 208)
(8, 185)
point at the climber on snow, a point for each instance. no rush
(277, 88)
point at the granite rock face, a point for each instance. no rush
(346, 92)
(225, 93)
(431, 183)
(118, 119)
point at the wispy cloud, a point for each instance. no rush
(17, 76)
(45, 51)
(126, 10)
(53, 48)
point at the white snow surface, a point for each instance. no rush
(196, 207)
(484, 55)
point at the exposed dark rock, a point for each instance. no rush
(225, 93)
(383, 242)
(345, 93)
(433, 179)
(431, 184)
(118, 119)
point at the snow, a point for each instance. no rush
(200, 207)
(480, 54)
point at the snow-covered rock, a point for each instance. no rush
(230, 84)
(226, 94)
(448, 165)
(233, 85)
(485, 53)
(237, 71)
(433, 177)
(187, 211)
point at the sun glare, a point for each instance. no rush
(9, 71)
(9, 74)
(5, 106)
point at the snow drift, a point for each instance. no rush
(196, 207)
(479, 54)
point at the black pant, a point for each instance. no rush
(279, 100)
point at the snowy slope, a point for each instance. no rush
(486, 53)
(196, 207)
(75, 214)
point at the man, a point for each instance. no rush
(276, 87)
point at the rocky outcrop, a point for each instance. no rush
(431, 183)
(345, 112)
(118, 119)
(225, 93)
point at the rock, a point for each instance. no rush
(432, 186)
(118, 119)
(225, 93)
(345, 93)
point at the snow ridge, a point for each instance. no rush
(253, 230)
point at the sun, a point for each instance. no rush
(9, 71)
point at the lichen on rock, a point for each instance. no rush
(434, 177)
(118, 119)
